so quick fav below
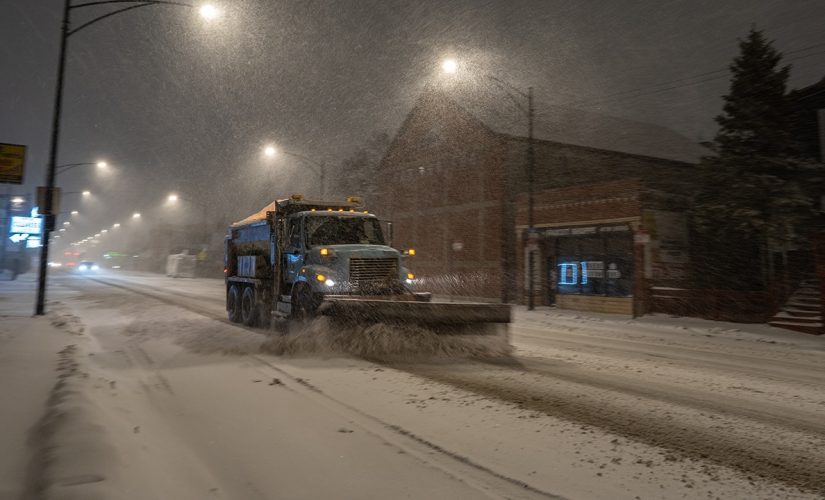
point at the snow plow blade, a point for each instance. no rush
(441, 317)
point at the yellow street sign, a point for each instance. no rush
(12, 160)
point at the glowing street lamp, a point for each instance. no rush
(115, 225)
(136, 215)
(449, 66)
(101, 165)
(74, 212)
(318, 167)
(209, 12)
(86, 194)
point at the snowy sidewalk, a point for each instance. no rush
(666, 325)
(29, 349)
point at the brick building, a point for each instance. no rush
(453, 183)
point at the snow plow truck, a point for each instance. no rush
(297, 259)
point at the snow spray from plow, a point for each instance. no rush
(300, 260)
(390, 341)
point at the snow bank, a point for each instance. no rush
(72, 457)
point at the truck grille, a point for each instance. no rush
(375, 271)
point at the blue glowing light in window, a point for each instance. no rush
(563, 273)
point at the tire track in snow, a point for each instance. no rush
(461, 467)
(767, 367)
(584, 399)
(766, 450)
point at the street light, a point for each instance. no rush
(115, 225)
(85, 193)
(318, 167)
(74, 212)
(208, 12)
(451, 66)
(101, 165)
(136, 215)
(172, 201)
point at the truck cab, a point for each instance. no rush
(288, 257)
(337, 252)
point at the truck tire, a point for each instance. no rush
(249, 309)
(303, 303)
(233, 304)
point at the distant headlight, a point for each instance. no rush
(95, 267)
(83, 267)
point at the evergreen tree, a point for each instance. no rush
(752, 202)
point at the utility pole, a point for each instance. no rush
(49, 217)
(531, 172)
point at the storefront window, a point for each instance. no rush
(596, 261)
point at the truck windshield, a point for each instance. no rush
(343, 230)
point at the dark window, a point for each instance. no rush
(343, 230)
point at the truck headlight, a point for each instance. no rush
(329, 283)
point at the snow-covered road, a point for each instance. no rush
(181, 404)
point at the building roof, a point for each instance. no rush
(505, 115)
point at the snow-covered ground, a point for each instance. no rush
(159, 397)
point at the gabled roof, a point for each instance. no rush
(504, 115)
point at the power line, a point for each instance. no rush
(641, 91)
(654, 89)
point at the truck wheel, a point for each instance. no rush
(249, 310)
(233, 304)
(303, 304)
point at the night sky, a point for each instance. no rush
(179, 104)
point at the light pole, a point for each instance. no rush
(207, 12)
(174, 198)
(85, 193)
(451, 66)
(319, 168)
(101, 165)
